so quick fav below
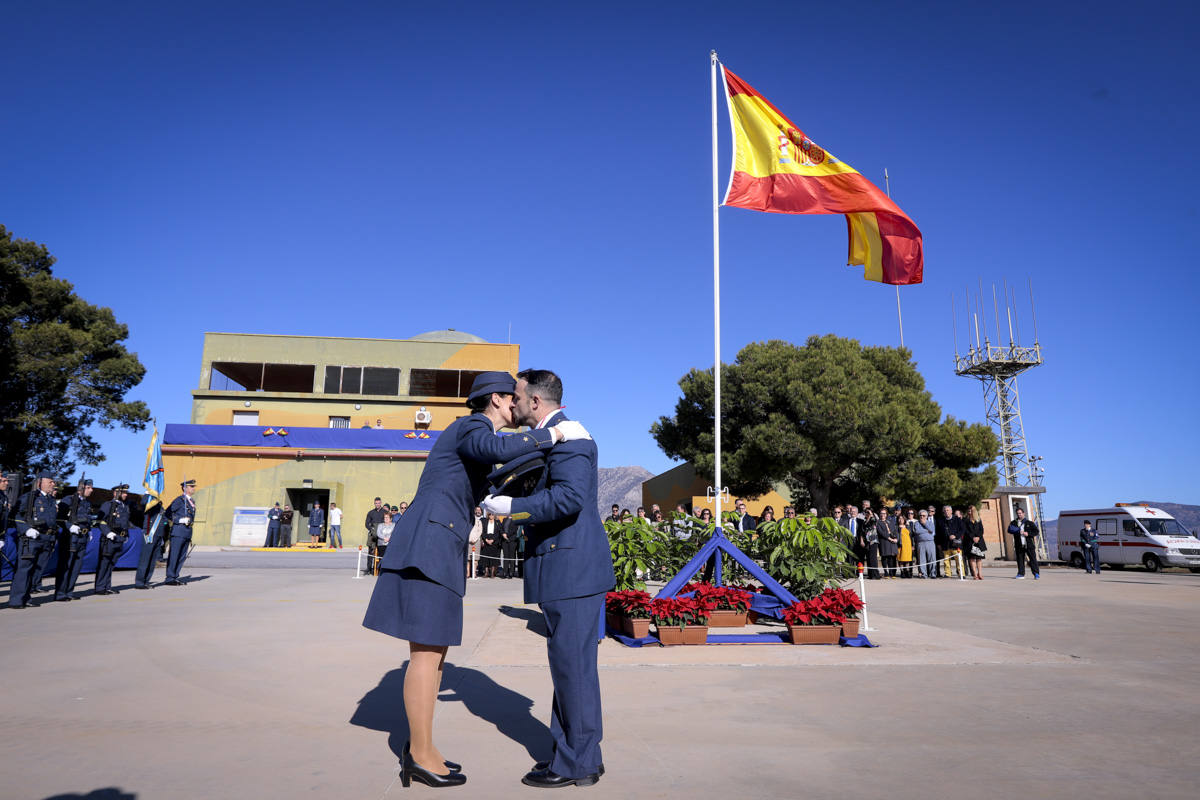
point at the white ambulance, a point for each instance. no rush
(1130, 533)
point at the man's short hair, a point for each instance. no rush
(544, 383)
(379, 499)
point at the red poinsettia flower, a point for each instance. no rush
(845, 600)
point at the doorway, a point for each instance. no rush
(302, 501)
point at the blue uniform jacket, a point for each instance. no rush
(316, 518)
(567, 552)
(180, 508)
(432, 535)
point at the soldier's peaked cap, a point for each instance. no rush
(487, 382)
(45, 474)
(120, 488)
(188, 482)
(518, 477)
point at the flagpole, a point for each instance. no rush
(716, 299)
(887, 184)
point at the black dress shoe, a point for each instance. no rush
(142, 587)
(173, 583)
(64, 599)
(409, 771)
(545, 779)
(545, 765)
(450, 765)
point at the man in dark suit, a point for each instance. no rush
(568, 570)
(745, 523)
(181, 515)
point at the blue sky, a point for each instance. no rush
(384, 169)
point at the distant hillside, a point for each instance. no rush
(621, 485)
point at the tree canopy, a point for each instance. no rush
(834, 422)
(63, 368)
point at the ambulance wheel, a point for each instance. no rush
(1151, 563)
(1077, 560)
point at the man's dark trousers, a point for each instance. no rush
(1027, 551)
(110, 551)
(272, 534)
(571, 645)
(33, 555)
(71, 547)
(1091, 557)
(149, 559)
(179, 551)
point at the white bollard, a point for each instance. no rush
(358, 564)
(862, 593)
(474, 564)
(962, 575)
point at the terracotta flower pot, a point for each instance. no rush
(613, 620)
(637, 628)
(689, 634)
(850, 628)
(814, 634)
(726, 618)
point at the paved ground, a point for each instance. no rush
(256, 681)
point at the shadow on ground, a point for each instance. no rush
(108, 793)
(535, 621)
(382, 709)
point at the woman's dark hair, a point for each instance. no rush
(480, 403)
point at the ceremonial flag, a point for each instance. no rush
(777, 168)
(152, 482)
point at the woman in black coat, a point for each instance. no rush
(974, 539)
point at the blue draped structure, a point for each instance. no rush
(306, 438)
(127, 560)
(767, 605)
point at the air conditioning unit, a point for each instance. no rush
(423, 417)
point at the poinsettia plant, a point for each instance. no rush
(723, 598)
(680, 611)
(631, 603)
(847, 600)
(820, 610)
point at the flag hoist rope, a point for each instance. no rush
(716, 298)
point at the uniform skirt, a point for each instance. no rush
(410, 606)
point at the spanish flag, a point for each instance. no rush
(777, 168)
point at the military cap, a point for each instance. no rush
(487, 382)
(45, 474)
(518, 477)
(188, 482)
(120, 488)
(85, 482)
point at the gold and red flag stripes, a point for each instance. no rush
(777, 168)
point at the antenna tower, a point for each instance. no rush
(996, 366)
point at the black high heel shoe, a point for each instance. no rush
(409, 770)
(450, 765)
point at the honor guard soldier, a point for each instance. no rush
(181, 515)
(148, 559)
(114, 533)
(36, 517)
(73, 540)
(5, 505)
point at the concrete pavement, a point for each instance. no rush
(259, 682)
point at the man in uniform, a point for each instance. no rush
(181, 515)
(73, 540)
(568, 571)
(36, 517)
(114, 532)
(4, 511)
(273, 522)
(150, 551)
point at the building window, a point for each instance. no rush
(362, 380)
(237, 376)
(339, 422)
(441, 382)
(245, 418)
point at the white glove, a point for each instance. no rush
(570, 430)
(112, 537)
(74, 529)
(31, 533)
(500, 506)
(184, 520)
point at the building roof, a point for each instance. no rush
(449, 335)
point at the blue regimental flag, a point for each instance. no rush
(153, 483)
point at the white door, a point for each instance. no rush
(1110, 541)
(1133, 542)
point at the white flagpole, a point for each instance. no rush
(887, 182)
(716, 297)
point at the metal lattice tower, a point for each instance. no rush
(997, 367)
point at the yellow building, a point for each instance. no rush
(301, 419)
(681, 484)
